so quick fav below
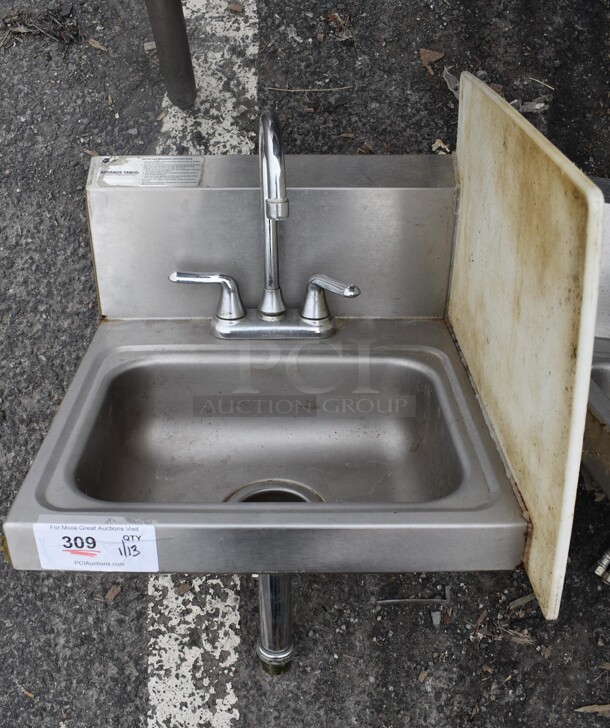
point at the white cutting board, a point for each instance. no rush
(522, 305)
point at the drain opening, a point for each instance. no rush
(274, 496)
(275, 492)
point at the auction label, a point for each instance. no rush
(150, 171)
(97, 546)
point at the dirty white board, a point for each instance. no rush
(522, 306)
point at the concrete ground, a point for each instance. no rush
(75, 78)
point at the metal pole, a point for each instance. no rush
(169, 31)
(275, 648)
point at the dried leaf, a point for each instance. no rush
(422, 676)
(235, 7)
(439, 144)
(336, 20)
(112, 593)
(474, 712)
(522, 601)
(183, 588)
(90, 152)
(595, 709)
(604, 666)
(97, 45)
(453, 84)
(428, 57)
(537, 106)
(519, 638)
(54, 23)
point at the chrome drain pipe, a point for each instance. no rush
(275, 647)
(602, 566)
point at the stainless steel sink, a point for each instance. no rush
(279, 438)
(596, 446)
(365, 452)
(253, 442)
(600, 374)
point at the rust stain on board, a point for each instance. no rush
(522, 306)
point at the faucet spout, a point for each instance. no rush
(274, 208)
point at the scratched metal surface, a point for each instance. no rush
(602, 328)
(522, 304)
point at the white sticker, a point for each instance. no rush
(150, 171)
(96, 546)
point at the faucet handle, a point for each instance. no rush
(230, 306)
(315, 306)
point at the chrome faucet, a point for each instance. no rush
(274, 208)
(271, 320)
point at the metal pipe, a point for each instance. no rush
(275, 207)
(275, 647)
(602, 566)
(169, 31)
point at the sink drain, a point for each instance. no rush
(275, 491)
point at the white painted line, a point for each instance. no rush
(194, 638)
(224, 46)
(193, 648)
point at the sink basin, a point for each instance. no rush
(365, 452)
(191, 428)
